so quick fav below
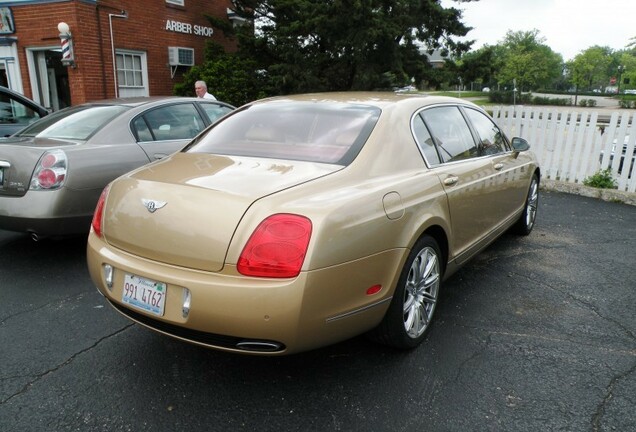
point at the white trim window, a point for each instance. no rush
(176, 2)
(132, 73)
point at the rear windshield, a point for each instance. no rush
(76, 123)
(316, 132)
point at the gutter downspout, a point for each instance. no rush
(101, 51)
(124, 15)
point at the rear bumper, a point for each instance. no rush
(231, 312)
(60, 212)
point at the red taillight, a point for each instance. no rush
(48, 160)
(47, 178)
(50, 172)
(99, 211)
(277, 247)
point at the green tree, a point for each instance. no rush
(478, 66)
(524, 58)
(627, 60)
(230, 77)
(321, 45)
(589, 69)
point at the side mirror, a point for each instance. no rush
(520, 145)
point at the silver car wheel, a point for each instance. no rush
(409, 316)
(528, 216)
(533, 202)
(420, 292)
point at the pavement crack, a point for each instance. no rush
(588, 305)
(477, 353)
(597, 419)
(40, 376)
(60, 301)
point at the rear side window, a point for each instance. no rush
(172, 122)
(316, 132)
(451, 133)
(215, 111)
(425, 141)
(491, 138)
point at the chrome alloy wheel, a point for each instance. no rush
(420, 292)
(533, 202)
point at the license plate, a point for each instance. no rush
(1, 176)
(144, 294)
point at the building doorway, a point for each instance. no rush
(9, 68)
(49, 77)
(4, 79)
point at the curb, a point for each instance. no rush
(611, 195)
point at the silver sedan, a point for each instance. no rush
(52, 173)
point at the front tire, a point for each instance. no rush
(529, 216)
(409, 316)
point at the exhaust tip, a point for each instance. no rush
(260, 346)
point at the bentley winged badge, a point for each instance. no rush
(153, 205)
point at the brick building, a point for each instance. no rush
(153, 43)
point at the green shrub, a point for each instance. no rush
(587, 102)
(506, 97)
(500, 97)
(602, 180)
(543, 100)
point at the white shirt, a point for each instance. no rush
(208, 96)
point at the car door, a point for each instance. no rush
(466, 177)
(164, 130)
(509, 184)
(17, 112)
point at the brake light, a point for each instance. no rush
(99, 211)
(277, 247)
(50, 172)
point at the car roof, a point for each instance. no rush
(377, 99)
(157, 100)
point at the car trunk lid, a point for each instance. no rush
(185, 214)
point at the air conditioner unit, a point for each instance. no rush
(179, 56)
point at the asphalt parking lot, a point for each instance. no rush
(535, 334)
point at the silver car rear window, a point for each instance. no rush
(327, 132)
(76, 123)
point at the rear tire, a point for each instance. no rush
(529, 216)
(409, 316)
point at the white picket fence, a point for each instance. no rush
(572, 145)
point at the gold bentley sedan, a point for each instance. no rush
(296, 222)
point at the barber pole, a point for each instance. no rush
(68, 59)
(67, 50)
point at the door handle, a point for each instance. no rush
(450, 181)
(159, 156)
(498, 166)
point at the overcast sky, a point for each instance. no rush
(568, 26)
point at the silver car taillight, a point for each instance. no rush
(50, 171)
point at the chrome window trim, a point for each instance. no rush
(459, 106)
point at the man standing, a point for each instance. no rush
(201, 89)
